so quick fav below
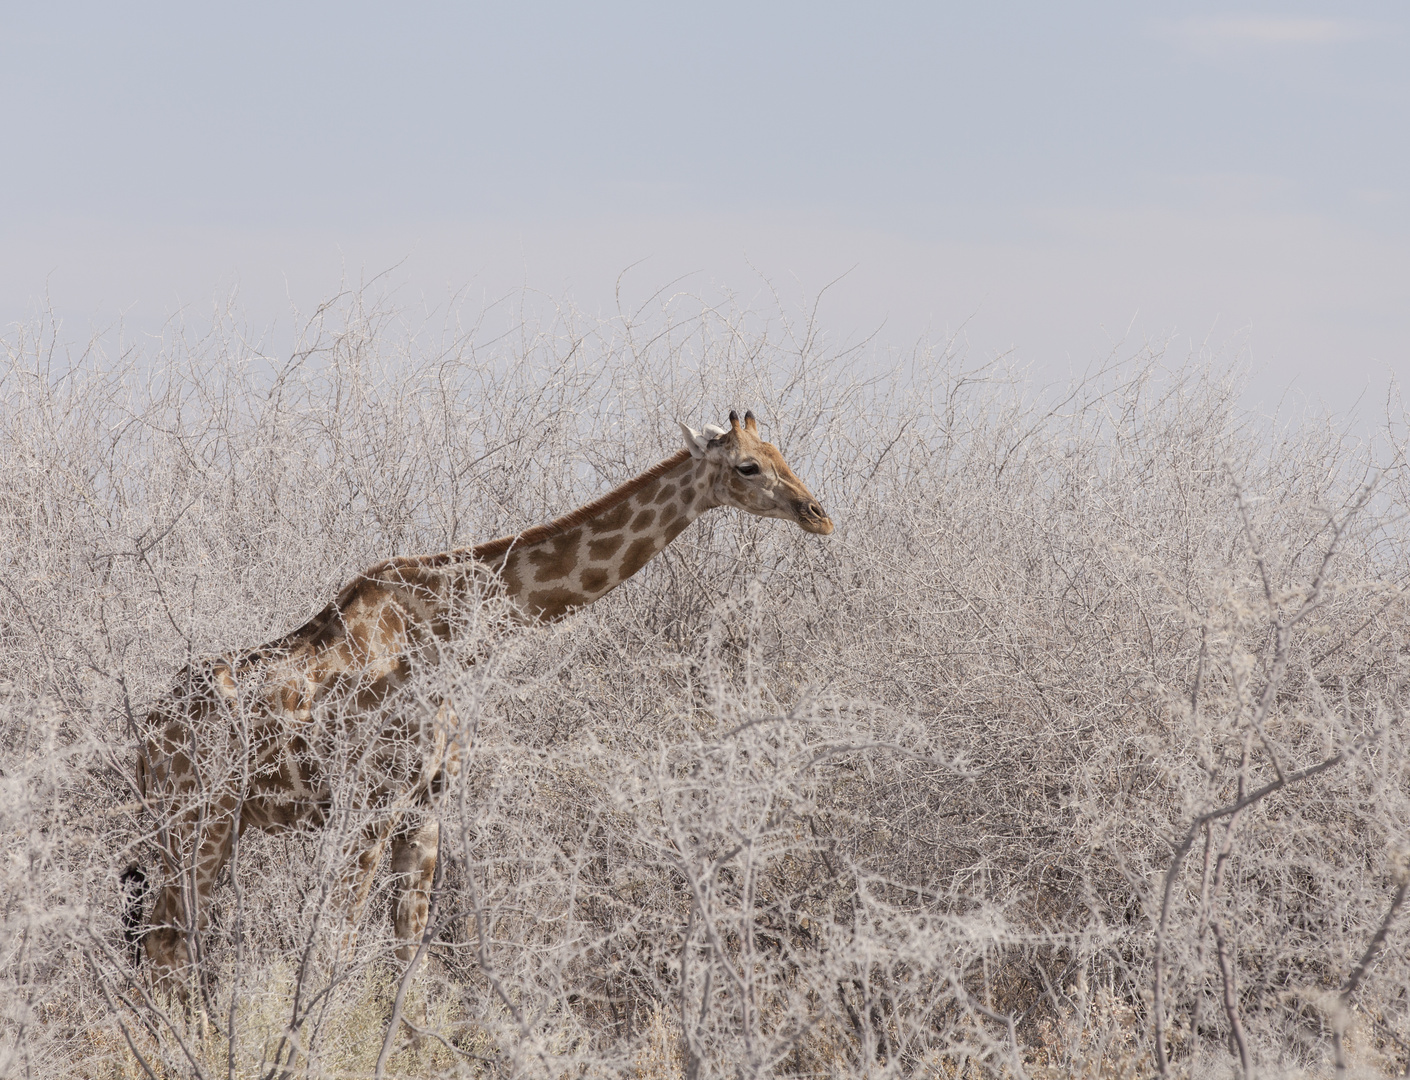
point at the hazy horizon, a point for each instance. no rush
(1047, 184)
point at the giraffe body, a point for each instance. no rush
(265, 738)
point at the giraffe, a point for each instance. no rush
(243, 741)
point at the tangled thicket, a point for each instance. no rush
(1079, 749)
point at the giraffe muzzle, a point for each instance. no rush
(813, 518)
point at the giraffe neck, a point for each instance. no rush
(582, 556)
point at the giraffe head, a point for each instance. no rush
(745, 472)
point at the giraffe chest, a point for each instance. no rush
(383, 759)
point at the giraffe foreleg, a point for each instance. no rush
(414, 851)
(166, 939)
(172, 940)
(356, 881)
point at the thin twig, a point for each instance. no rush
(1358, 973)
(1173, 872)
(1007, 1020)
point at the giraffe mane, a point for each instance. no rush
(494, 549)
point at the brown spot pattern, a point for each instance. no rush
(637, 556)
(676, 528)
(643, 521)
(326, 627)
(554, 603)
(509, 574)
(392, 624)
(602, 550)
(687, 496)
(594, 579)
(358, 640)
(613, 520)
(667, 490)
(290, 699)
(594, 510)
(557, 558)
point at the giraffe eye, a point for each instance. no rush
(749, 468)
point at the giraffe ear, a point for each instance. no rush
(695, 441)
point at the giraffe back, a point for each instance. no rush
(279, 728)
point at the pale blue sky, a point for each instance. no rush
(1045, 175)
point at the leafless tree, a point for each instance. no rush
(1080, 749)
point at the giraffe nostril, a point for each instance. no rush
(815, 510)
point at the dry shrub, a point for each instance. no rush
(1079, 749)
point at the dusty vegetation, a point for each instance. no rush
(1080, 749)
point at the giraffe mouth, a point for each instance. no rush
(813, 518)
